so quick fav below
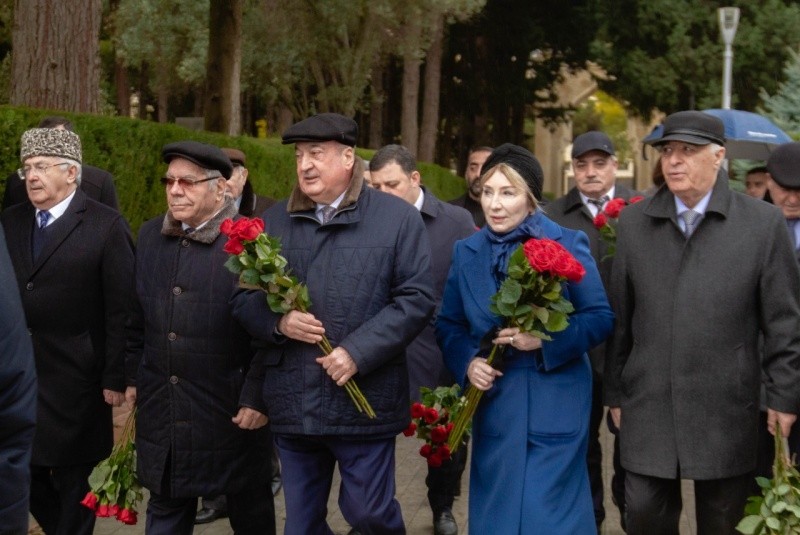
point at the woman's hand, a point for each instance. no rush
(482, 375)
(512, 336)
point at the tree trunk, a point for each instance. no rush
(376, 107)
(123, 89)
(223, 73)
(56, 63)
(409, 123)
(430, 100)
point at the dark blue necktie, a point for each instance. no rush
(40, 232)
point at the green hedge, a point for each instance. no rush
(131, 150)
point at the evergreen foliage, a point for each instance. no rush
(131, 150)
(783, 107)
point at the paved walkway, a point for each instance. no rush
(411, 492)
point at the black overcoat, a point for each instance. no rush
(76, 297)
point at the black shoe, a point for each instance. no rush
(444, 523)
(204, 516)
(276, 485)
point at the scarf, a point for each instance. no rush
(503, 245)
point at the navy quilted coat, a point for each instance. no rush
(368, 274)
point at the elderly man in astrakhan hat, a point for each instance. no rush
(201, 422)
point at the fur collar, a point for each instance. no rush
(300, 202)
(208, 233)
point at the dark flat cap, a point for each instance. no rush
(522, 161)
(237, 157)
(590, 141)
(784, 165)
(693, 127)
(204, 155)
(323, 127)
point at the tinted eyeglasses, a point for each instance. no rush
(185, 182)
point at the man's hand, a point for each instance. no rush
(248, 418)
(301, 326)
(339, 365)
(616, 416)
(113, 397)
(130, 396)
(784, 419)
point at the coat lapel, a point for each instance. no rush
(61, 229)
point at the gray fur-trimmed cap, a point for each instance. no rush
(50, 142)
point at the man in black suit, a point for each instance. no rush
(393, 169)
(73, 259)
(471, 200)
(595, 166)
(96, 183)
(17, 402)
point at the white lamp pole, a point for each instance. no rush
(728, 21)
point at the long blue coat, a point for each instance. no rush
(528, 472)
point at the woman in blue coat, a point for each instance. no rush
(528, 472)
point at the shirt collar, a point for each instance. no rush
(335, 204)
(59, 209)
(420, 200)
(700, 208)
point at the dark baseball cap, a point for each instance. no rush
(693, 127)
(594, 140)
(202, 154)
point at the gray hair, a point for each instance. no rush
(79, 173)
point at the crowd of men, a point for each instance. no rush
(703, 365)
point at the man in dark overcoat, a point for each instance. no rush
(393, 169)
(191, 371)
(73, 259)
(17, 403)
(699, 271)
(371, 293)
(594, 164)
(96, 183)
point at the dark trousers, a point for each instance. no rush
(443, 482)
(654, 504)
(56, 494)
(618, 479)
(367, 491)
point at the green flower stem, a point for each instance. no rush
(473, 397)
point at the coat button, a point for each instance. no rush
(176, 290)
(185, 243)
(172, 337)
(173, 379)
(29, 286)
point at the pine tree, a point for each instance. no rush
(784, 106)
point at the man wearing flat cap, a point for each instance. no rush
(371, 294)
(190, 369)
(594, 164)
(73, 259)
(699, 271)
(239, 187)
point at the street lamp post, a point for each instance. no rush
(728, 21)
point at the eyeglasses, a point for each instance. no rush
(38, 170)
(184, 182)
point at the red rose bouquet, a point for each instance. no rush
(115, 489)
(606, 221)
(256, 258)
(529, 298)
(432, 421)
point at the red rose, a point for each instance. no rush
(90, 500)
(435, 460)
(614, 207)
(226, 227)
(113, 509)
(444, 451)
(449, 427)
(562, 264)
(600, 220)
(417, 410)
(426, 450)
(636, 199)
(233, 246)
(410, 430)
(127, 516)
(439, 434)
(102, 511)
(575, 271)
(430, 415)
(251, 228)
